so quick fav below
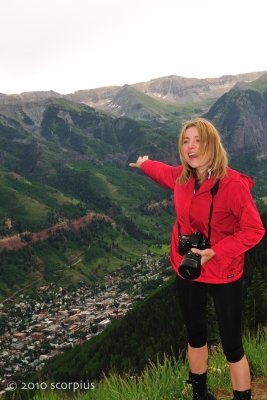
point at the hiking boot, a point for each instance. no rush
(199, 386)
(244, 395)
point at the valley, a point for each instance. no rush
(84, 239)
(37, 327)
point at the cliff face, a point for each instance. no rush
(241, 117)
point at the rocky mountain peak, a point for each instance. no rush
(241, 117)
(177, 89)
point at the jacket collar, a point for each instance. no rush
(206, 186)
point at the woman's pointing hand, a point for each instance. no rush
(139, 162)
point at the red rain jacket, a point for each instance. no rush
(235, 227)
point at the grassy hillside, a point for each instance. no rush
(60, 161)
(167, 379)
(70, 193)
(29, 204)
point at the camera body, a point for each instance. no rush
(190, 267)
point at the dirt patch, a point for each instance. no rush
(259, 390)
(17, 242)
(259, 386)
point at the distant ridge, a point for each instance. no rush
(182, 90)
(172, 88)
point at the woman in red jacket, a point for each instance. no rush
(216, 223)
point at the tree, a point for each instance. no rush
(256, 302)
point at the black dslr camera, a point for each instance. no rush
(190, 267)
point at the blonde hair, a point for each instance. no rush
(210, 146)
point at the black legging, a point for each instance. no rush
(228, 306)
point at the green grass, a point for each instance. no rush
(128, 189)
(30, 203)
(94, 262)
(62, 199)
(160, 249)
(120, 184)
(37, 210)
(167, 380)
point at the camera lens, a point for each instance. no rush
(190, 267)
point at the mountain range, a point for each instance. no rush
(170, 89)
(164, 103)
(154, 101)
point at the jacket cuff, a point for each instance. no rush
(144, 165)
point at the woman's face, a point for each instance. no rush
(192, 152)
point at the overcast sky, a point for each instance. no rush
(67, 45)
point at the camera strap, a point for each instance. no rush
(213, 192)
